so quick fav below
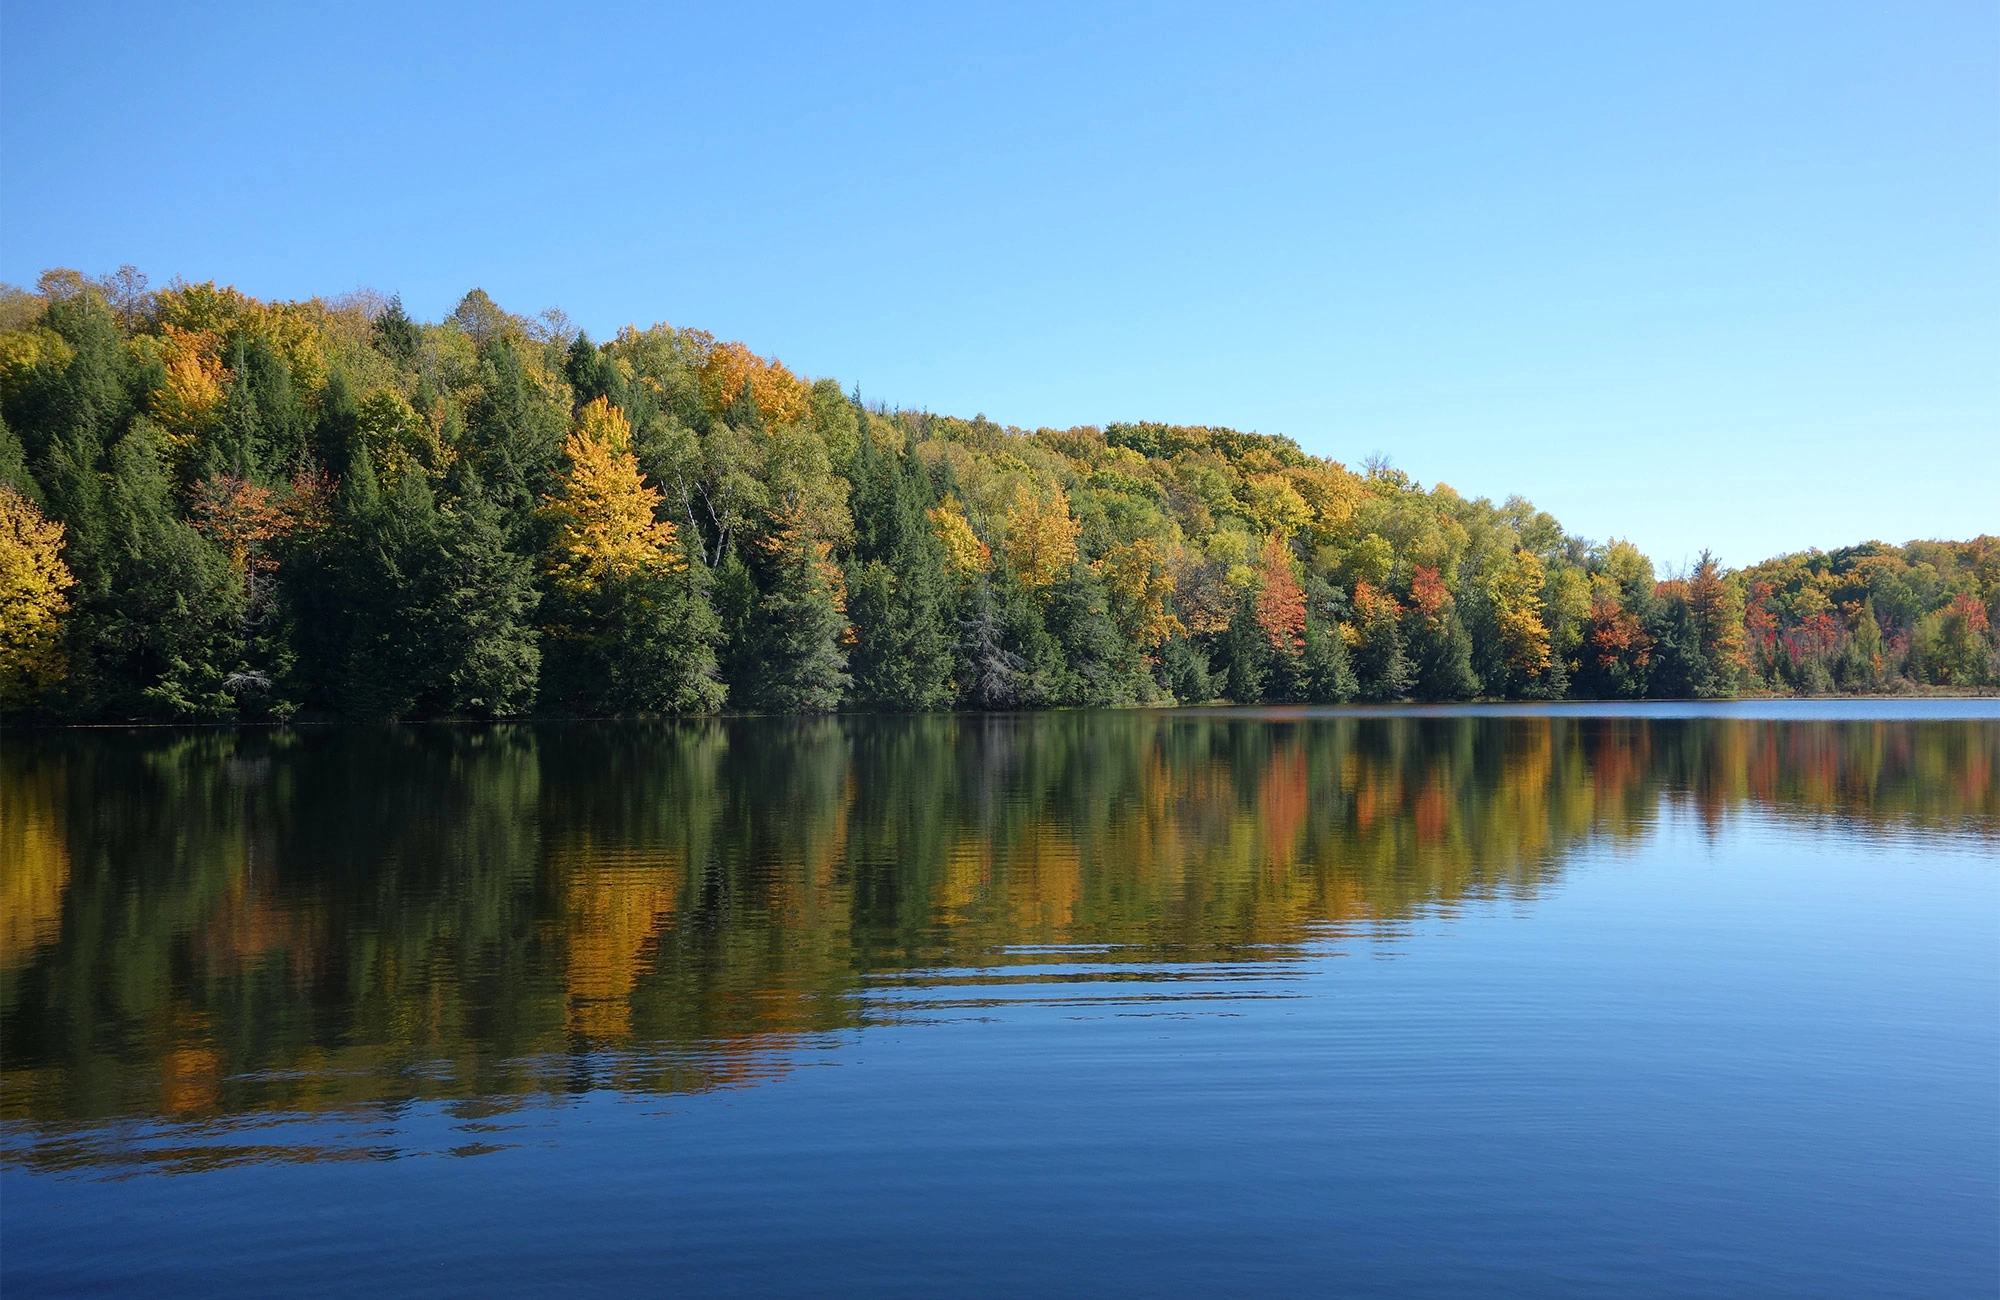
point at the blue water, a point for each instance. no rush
(1741, 1044)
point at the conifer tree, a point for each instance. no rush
(990, 675)
(1246, 654)
(1439, 648)
(1183, 671)
(796, 663)
(898, 586)
(1328, 674)
(1680, 671)
(1381, 666)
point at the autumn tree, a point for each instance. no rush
(630, 627)
(1041, 536)
(1140, 587)
(33, 586)
(1617, 650)
(965, 555)
(1515, 590)
(1716, 605)
(334, 505)
(1280, 602)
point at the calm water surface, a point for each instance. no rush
(1640, 1002)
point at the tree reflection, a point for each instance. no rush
(207, 926)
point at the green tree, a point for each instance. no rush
(1329, 674)
(1381, 664)
(899, 589)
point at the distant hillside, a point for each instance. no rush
(213, 507)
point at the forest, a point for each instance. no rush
(216, 508)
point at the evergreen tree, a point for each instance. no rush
(1246, 655)
(236, 448)
(1381, 665)
(1103, 665)
(337, 426)
(593, 373)
(990, 675)
(514, 433)
(1043, 679)
(898, 587)
(1680, 671)
(796, 664)
(474, 601)
(14, 472)
(436, 607)
(1328, 673)
(735, 597)
(1183, 671)
(156, 631)
(1439, 647)
(395, 335)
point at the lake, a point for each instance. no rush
(1643, 1001)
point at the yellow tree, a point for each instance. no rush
(1041, 537)
(1275, 504)
(33, 579)
(603, 514)
(963, 550)
(189, 401)
(1517, 605)
(723, 370)
(1137, 577)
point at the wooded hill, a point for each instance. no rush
(213, 507)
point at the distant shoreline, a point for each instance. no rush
(1752, 706)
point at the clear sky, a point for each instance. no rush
(1721, 275)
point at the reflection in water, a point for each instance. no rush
(227, 946)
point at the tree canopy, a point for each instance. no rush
(215, 507)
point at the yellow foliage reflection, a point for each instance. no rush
(34, 862)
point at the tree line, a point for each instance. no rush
(213, 507)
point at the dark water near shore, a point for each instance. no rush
(1640, 1002)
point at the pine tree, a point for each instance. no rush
(1246, 654)
(473, 602)
(1381, 666)
(1328, 673)
(898, 587)
(1101, 665)
(1183, 671)
(784, 614)
(990, 675)
(433, 609)
(1439, 648)
(797, 665)
(396, 335)
(1680, 671)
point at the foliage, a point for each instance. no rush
(333, 507)
(33, 583)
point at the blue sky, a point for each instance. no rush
(1722, 275)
